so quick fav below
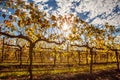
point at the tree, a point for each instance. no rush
(28, 23)
(110, 41)
(90, 34)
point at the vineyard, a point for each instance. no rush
(37, 45)
(48, 61)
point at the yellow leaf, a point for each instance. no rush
(17, 12)
(8, 23)
(35, 26)
(74, 30)
(70, 36)
(76, 20)
(31, 4)
(53, 17)
(39, 35)
(20, 23)
(23, 15)
(54, 24)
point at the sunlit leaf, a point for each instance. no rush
(53, 17)
(74, 30)
(54, 24)
(8, 23)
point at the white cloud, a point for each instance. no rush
(96, 7)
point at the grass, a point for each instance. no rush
(56, 70)
(13, 74)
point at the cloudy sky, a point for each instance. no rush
(92, 11)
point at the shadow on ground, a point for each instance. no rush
(101, 75)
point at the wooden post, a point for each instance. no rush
(3, 49)
(117, 59)
(31, 59)
(91, 61)
(79, 57)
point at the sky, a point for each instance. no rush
(95, 12)
(92, 11)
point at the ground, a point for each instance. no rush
(101, 75)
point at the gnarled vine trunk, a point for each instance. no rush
(107, 58)
(20, 57)
(86, 58)
(117, 59)
(2, 50)
(31, 59)
(79, 57)
(91, 61)
(55, 59)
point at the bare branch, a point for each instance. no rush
(13, 45)
(18, 36)
(80, 45)
(17, 47)
(112, 48)
(48, 41)
(88, 47)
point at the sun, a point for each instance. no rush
(65, 27)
